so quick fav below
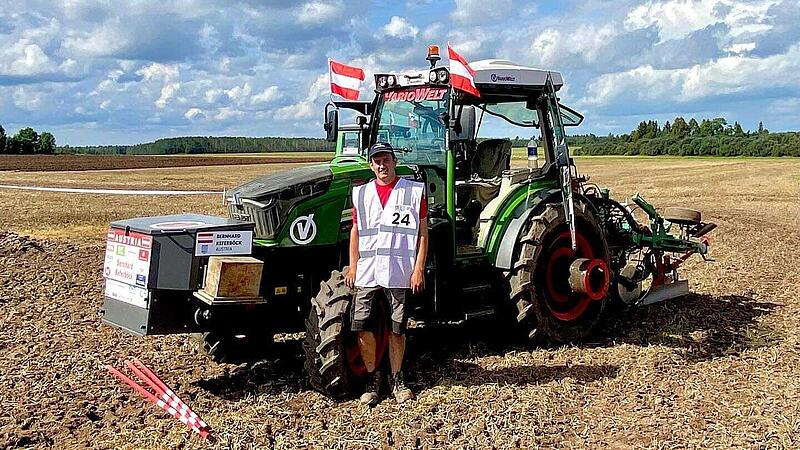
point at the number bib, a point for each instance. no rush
(401, 217)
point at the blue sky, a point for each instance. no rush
(123, 72)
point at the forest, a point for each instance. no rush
(209, 144)
(709, 137)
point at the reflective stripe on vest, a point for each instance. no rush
(387, 249)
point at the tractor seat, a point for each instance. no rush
(492, 157)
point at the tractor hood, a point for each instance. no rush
(268, 185)
(268, 200)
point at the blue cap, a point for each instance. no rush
(379, 147)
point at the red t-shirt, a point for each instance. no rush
(383, 194)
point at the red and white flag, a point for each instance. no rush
(461, 74)
(345, 80)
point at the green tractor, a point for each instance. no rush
(538, 245)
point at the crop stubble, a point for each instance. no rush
(60, 163)
(717, 369)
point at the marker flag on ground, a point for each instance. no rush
(461, 74)
(345, 80)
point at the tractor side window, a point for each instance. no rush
(350, 143)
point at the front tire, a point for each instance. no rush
(325, 335)
(333, 359)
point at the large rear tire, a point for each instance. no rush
(546, 305)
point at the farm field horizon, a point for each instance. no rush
(718, 368)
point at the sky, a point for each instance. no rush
(124, 72)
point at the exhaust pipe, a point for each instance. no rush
(590, 277)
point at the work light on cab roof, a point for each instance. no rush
(435, 75)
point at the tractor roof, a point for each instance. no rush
(494, 72)
(501, 81)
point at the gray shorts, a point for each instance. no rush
(364, 300)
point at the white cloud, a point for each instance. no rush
(729, 75)
(195, 114)
(163, 75)
(167, 92)
(399, 27)
(213, 95)
(32, 61)
(158, 71)
(268, 95)
(103, 41)
(466, 43)
(25, 58)
(601, 47)
(743, 47)
(226, 113)
(238, 94)
(317, 12)
(433, 31)
(28, 99)
(479, 11)
(678, 18)
(309, 106)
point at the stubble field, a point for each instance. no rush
(716, 369)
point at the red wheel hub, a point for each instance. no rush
(564, 302)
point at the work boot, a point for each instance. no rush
(400, 392)
(372, 394)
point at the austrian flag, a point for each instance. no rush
(345, 80)
(461, 74)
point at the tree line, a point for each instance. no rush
(27, 141)
(209, 144)
(709, 137)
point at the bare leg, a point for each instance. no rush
(397, 347)
(367, 344)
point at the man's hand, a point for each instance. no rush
(350, 277)
(417, 281)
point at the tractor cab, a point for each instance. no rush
(435, 129)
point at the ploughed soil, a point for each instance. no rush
(49, 163)
(718, 368)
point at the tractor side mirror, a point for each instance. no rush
(331, 123)
(464, 129)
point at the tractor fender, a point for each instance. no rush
(513, 233)
(505, 253)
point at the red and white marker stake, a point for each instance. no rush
(162, 396)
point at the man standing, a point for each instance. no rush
(388, 246)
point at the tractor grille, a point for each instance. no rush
(266, 217)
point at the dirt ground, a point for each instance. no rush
(59, 163)
(716, 369)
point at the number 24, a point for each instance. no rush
(405, 220)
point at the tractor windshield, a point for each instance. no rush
(408, 119)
